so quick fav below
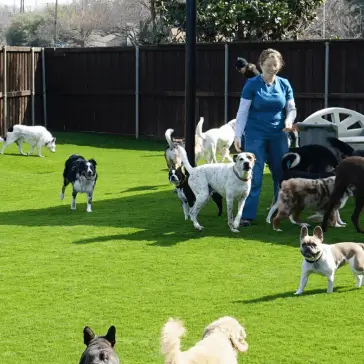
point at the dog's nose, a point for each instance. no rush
(246, 165)
(89, 173)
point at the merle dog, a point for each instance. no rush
(82, 174)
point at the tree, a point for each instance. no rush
(338, 19)
(222, 20)
(22, 30)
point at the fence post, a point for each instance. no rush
(327, 64)
(33, 87)
(5, 96)
(44, 92)
(137, 69)
(226, 86)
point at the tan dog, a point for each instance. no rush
(296, 194)
(221, 342)
(326, 259)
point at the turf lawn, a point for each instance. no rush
(134, 262)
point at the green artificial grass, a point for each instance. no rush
(134, 262)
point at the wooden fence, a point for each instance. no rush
(140, 91)
(21, 87)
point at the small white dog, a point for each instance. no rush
(231, 180)
(216, 140)
(221, 342)
(326, 259)
(37, 136)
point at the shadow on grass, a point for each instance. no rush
(157, 216)
(109, 141)
(290, 294)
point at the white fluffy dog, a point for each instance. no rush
(216, 140)
(230, 180)
(221, 342)
(37, 136)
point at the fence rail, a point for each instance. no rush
(140, 91)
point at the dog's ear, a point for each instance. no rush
(110, 336)
(238, 341)
(304, 232)
(318, 233)
(54, 140)
(88, 335)
(234, 157)
(92, 161)
(252, 155)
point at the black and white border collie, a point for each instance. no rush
(179, 178)
(82, 174)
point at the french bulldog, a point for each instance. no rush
(100, 349)
(326, 259)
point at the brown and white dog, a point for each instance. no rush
(229, 180)
(296, 194)
(221, 342)
(326, 259)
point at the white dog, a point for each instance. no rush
(221, 342)
(326, 259)
(37, 136)
(216, 140)
(231, 180)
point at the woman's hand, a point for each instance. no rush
(237, 144)
(291, 127)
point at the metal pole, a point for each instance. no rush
(33, 88)
(44, 91)
(55, 23)
(324, 21)
(5, 96)
(327, 63)
(226, 88)
(137, 69)
(190, 80)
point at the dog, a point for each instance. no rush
(83, 176)
(326, 259)
(37, 136)
(221, 342)
(217, 140)
(344, 148)
(100, 349)
(298, 193)
(171, 153)
(230, 180)
(349, 174)
(313, 158)
(179, 178)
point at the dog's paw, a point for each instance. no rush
(88, 210)
(279, 230)
(337, 225)
(234, 230)
(73, 207)
(298, 292)
(199, 227)
(61, 196)
(268, 221)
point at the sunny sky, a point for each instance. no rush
(30, 4)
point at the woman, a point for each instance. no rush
(266, 113)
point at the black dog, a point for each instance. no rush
(99, 348)
(82, 174)
(344, 148)
(179, 178)
(313, 158)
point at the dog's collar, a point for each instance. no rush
(316, 260)
(241, 179)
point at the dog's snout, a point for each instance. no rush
(246, 165)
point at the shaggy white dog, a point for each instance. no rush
(221, 342)
(215, 140)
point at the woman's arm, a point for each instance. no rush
(242, 117)
(291, 113)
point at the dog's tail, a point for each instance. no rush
(185, 161)
(199, 129)
(171, 340)
(168, 135)
(343, 147)
(290, 160)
